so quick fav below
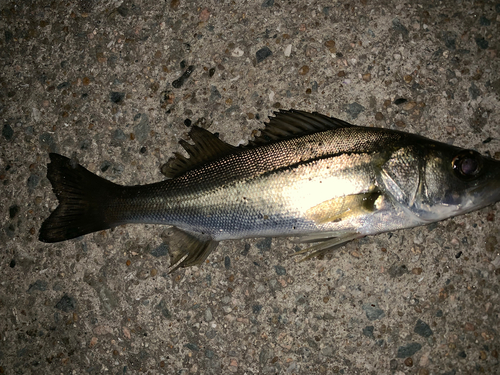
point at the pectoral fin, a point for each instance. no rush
(340, 208)
(189, 249)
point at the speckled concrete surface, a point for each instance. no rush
(102, 81)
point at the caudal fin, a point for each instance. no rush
(83, 197)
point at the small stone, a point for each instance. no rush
(38, 285)
(367, 77)
(288, 50)
(469, 327)
(8, 36)
(204, 15)
(397, 270)
(263, 54)
(237, 52)
(483, 21)
(162, 306)
(474, 91)
(408, 362)
(63, 85)
(192, 347)
(66, 303)
(265, 244)
(342, 74)
(490, 243)
(354, 109)
(280, 270)
(408, 350)
(399, 27)
(327, 351)
(482, 355)
(356, 254)
(330, 44)
(256, 309)
(408, 78)
(373, 312)
(174, 4)
(379, 116)
(141, 130)
(393, 364)
(423, 329)
(208, 315)
(33, 181)
(13, 211)
(416, 271)
(400, 124)
(184, 77)
(265, 355)
(304, 70)
(408, 106)
(93, 342)
(368, 332)
(116, 97)
(166, 97)
(311, 51)
(214, 93)
(7, 132)
(481, 42)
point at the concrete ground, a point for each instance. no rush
(106, 82)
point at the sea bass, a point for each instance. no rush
(306, 175)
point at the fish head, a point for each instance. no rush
(454, 181)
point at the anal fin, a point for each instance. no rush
(327, 244)
(189, 249)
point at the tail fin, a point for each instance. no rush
(82, 199)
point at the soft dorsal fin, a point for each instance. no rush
(206, 147)
(295, 123)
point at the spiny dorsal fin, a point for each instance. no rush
(295, 123)
(206, 147)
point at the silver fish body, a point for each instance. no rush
(306, 175)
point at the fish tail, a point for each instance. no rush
(83, 197)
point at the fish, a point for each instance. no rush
(308, 176)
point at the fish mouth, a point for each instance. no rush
(487, 192)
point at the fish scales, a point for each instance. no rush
(235, 197)
(307, 175)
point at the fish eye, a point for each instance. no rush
(467, 164)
